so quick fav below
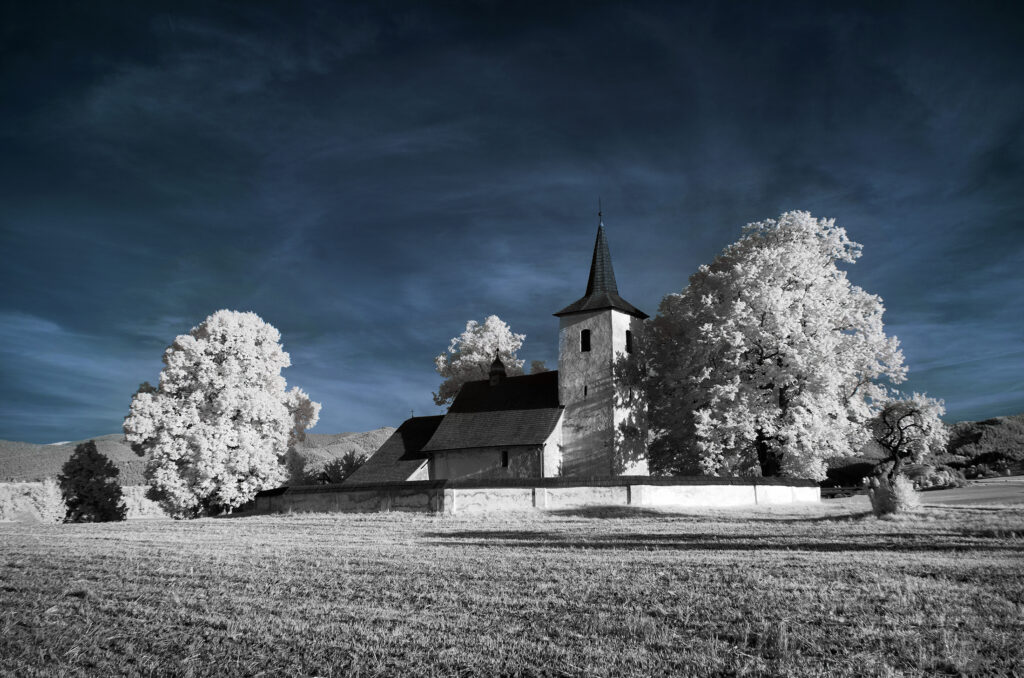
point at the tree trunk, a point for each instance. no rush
(769, 459)
(897, 466)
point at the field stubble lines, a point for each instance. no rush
(690, 593)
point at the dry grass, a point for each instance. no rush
(819, 590)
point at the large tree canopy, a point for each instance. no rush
(768, 362)
(469, 356)
(218, 426)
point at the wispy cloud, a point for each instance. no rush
(368, 179)
(65, 383)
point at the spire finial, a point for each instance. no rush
(497, 372)
(602, 292)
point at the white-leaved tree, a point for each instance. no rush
(217, 428)
(469, 356)
(769, 361)
(909, 429)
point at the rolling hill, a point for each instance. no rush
(26, 462)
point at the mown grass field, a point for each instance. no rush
(822, 590)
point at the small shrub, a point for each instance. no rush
(90, 487)
(934, 477)
(342, 468)
(986, 471)
(49, 503)
(138, 504)
(949, 477)
(889, 497)
(32, 502)
(319, 467)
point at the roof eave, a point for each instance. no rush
(577, 307)
(484, 447)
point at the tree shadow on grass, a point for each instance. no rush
(886, 542)
(841, 518)
(610, 512)
(697, 514)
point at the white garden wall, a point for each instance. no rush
(460, 497)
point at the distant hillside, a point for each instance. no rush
(331, 458)
(338, 444)
(20, 462)
(997, 442)
(30, 462)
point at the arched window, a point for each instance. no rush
(584, 341)
(629, 341)
(504, 458)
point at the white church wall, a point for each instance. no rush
(484, 500)
(543, 495)
(329, 500)
(552, 452)
(693, 495)
(628, 460)
(570, 497)
(806, 495)
(781, 494)
(688, 495)
(421, 473)
(524, 461)
(585, 389)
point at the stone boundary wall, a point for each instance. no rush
(521, 494)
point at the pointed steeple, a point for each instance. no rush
(602, 290)
(602, 275)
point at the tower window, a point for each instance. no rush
(584, 390)
(504, 458)
(585, 341)
(629, 341)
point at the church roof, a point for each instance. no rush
(525, 392)
(501, 428)
(516, 411)
(400, 456)
(602, 290)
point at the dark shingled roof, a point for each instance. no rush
(602, 290)
(502, 428)
(517, 411)
(400, 456)
(526, 392)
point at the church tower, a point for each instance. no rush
(593, 332)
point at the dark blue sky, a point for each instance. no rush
(369, 179)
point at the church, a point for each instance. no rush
(557, 424)
(546, 441)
